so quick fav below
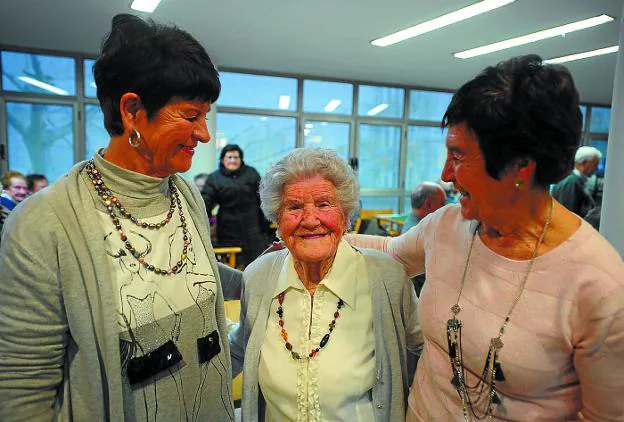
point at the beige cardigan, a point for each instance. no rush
(59, 342)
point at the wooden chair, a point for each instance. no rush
(228, 252)
(369, 214)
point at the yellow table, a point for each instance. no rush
(392, 223)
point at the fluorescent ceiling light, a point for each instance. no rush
(283, 102)
(440, 22)
(43, 85)
(584, 55)
(332, 105)
(535, 36)
(306, 132)
(145, 5)
(263, 118)
(309, 125)
(377, 109)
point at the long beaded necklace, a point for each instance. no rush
(314, 351)
(111, 202)
(472, 396)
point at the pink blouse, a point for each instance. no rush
(563, 354)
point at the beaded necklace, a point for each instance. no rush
(314, 351)
(111, 202)
(472, 396)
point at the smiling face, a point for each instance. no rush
(18, 189)
(170, 137)
(482, 196)
(231, 160)
(311, 220)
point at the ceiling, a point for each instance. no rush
(330, 38)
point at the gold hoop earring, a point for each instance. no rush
(134, 139)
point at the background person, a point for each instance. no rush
(36, 182)
(324, 326)
(110, 295)
(572, 191)
(14, 189)
(522, 309)
(234, 188)
(426, 198)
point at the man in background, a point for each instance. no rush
(36, 182)
(572, 192)
(14, 189)
(426, 198)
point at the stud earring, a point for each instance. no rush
(519, 184)
(134, 139)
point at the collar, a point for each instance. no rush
(130, 183)
(341, 279)
(579, 174)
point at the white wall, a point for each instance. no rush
(611, 222)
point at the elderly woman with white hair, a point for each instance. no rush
(324, 326)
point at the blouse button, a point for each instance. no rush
(380, 406)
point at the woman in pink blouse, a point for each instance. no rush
(523, 308)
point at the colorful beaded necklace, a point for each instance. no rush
(111, 202)
(314, 351)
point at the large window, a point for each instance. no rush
(263, 139)
(379, 156)
(327, 97)
(379, 101)
(51, 119)
(40, 138)
(90, 89)
(40, 74)
(327, 135)
(255, 91)
(428, 105)
(426, 153)
(599, 122)
(96, 136)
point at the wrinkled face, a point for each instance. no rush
(171, 136)
(481, 195)
(231, 160)
(39, 184)
(311, 220)
(18, 189)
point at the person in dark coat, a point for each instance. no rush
(234, 187)
(572, 192)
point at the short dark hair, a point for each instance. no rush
(31, 179)
(228, 148)
(156, 62)
(522, 109)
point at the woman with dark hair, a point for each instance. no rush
(234, 188)
(522, 310)
(110, 294)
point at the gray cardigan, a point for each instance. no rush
(395, 326)
(59, 340)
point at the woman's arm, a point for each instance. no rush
(33, 325)
(599, 358)
(407, 249)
